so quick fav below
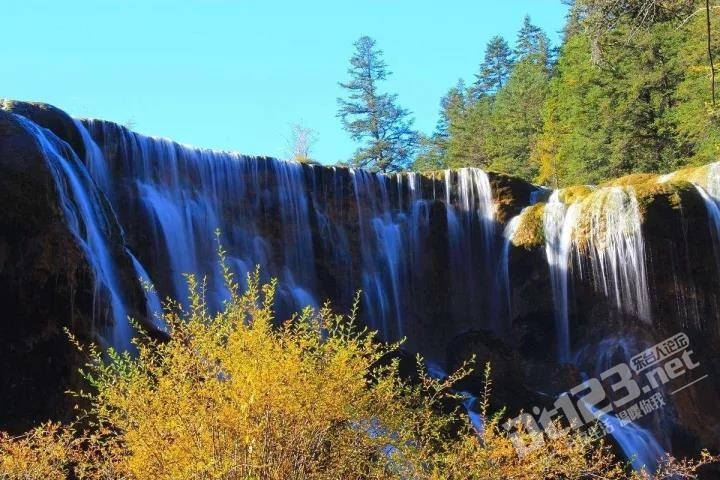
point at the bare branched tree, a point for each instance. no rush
(300, 142)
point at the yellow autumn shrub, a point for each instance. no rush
(233, 396)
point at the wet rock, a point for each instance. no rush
(50, 117)
(45, 285)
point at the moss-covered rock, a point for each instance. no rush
(691, 174)
(651, 196)
(575, 194)
(511, 195)
(530, 231)
(672, 192)
(632, 179)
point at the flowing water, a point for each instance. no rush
(711, 196)
(504, 271)
(559, 222)
(323, 232)
(638, 444)
(82, 207)
(616, 250)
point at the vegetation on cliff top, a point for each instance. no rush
(629, 90)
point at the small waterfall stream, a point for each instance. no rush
(637, 443)
(504, 271)
(559, 222)
(711, 197)
(81, 205)
(617, 250)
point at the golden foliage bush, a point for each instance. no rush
(232, 396)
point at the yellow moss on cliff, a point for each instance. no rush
(674, 190)
(575, 193)
(530, 232)
(692, 174)
(632, 179)
(597, 206)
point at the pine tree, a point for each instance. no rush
(532, 44)
(452, 106)
(374, 118)
(495, 68)
(516, 120)
(434, 149)
(629, 94)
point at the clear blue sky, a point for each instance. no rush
(234, 74)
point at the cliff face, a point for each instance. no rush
(548, 286)
(48, 274)
(642, 266)
(45, 284)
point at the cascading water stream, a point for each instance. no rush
(559, 222)
(382, 252)
(504, 272)
(154, 307)
(186, 195)
(711, 197)
(713, 180)
(469, 401)
(276, 215)
(616, 250)
(713, 212)
(470, 212)
(637, 443)
(82, 208)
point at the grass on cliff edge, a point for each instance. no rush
(231, 396)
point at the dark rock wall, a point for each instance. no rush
(45, 285)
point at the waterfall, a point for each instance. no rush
(609, 231)
(713, 211)
(711, 198)
(323, 232)
(504, 272)
(638, 444)
(154, 307)
(710, 195)
(429, 251)
(713, 180)
(469, 401)
(184, 195)
(470, 214)
(383, 253)
(559, 222)
(616, 250)
(82, 207)
(326, 232)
